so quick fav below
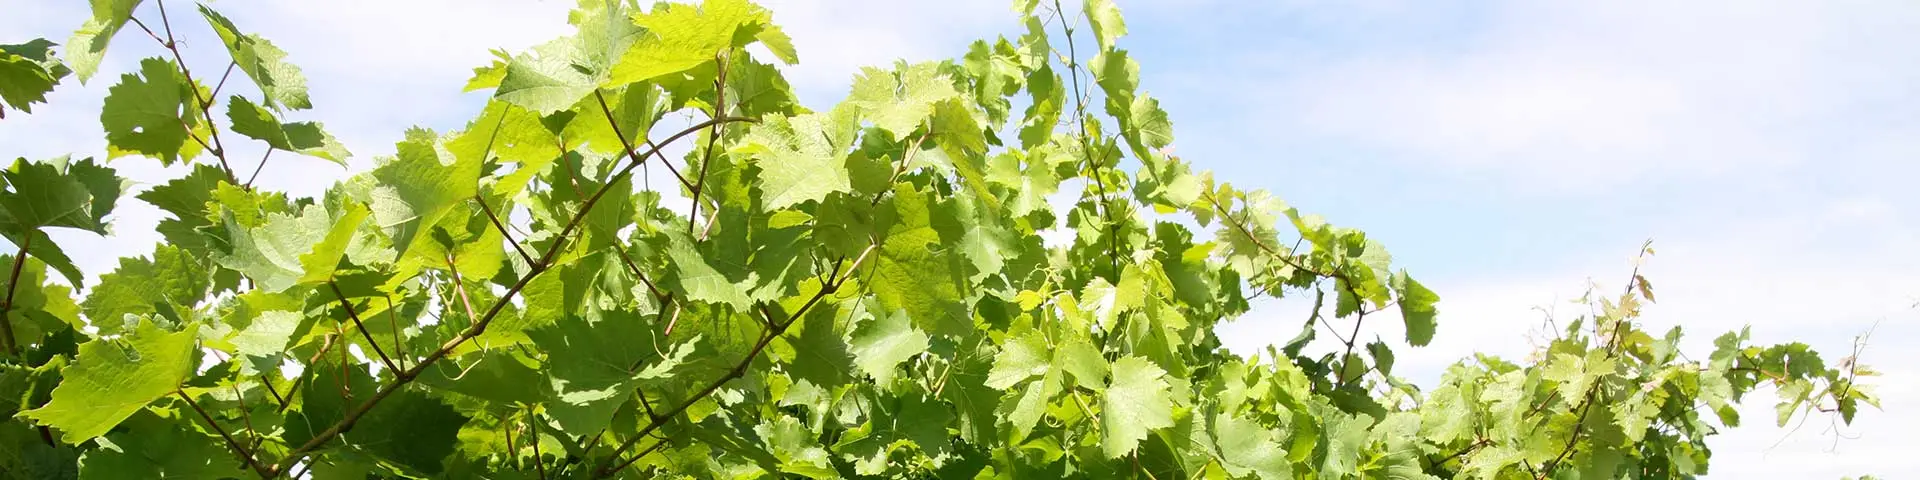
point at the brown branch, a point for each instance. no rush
(774, 330)
(628, 145)
(393, 321)
(706, 161)
(1612, 347)
(223, 79)
(533, 429)
(243, 452)
(1080, 113)
(206, 104)
(643, 454)
(401, 378)
(503, 228)
(13, 285)
(259, 168)
(295, 388)
(362, 326)
(268, 381)
(460, 287)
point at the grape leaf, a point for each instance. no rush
(883, 342)
(58, 193)
(1416, 308)
(914, 272)
(151, 447)
(1104, 17)
(678, 38)
(899, 100)
(89, 43)
(291, 249)
(1246, 447)
(112, 379)
(266, 64)
(150, 113)
(27, 72)
(299, 137)
(803, 159)
(1134, 404)
(173, 280)
(418, 187)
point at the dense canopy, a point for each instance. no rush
(859, 291)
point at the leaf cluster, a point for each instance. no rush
(864, 291)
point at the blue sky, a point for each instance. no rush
(1506, 151)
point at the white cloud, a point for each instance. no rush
(1575, 93)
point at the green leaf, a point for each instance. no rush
(821, 353)
(594, 366)
(173, 281)
(290, 250)
(1134, 404)
(186, 199)
(803, 159)
(89, 43)
(408, 427)
(915, 272)
(27, 72)
(900, 99)
(1247, 447)
(420, 186)
(1079, 357)
(152, 447)
(700, 280)
(266, 64)
(1104, 17)
(1023, 356)
(882, 343)
(545, 81)
(305, 138)
(1416, 308)
(38, 308)
(411, 429)
(680, 37)
(150, 113)
(1344, 435)
(112, 379)
(795, 447)
(58, 193)
(268, 335)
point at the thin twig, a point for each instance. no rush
(13, 285)
(713, 136)
(832, 284)
(223, 79)
(643, 454)
(243, 452)
(1612, 345)
(460, 286)
(362, 326)
(325, 346)
(628, 145)
(533, 430)
(206, 104)
(401, 378)
(503, 229)
(1086, 150)
(258, 168)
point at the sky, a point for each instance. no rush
(1510, 153)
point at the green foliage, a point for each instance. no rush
(859, 291)
(27, 72)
